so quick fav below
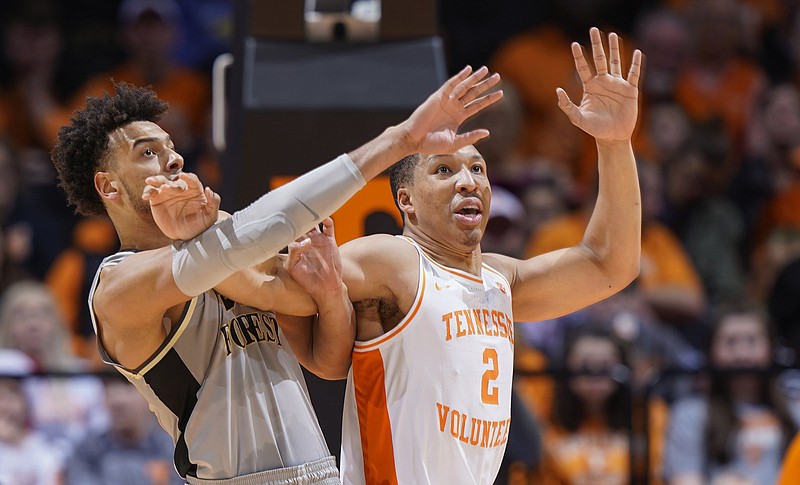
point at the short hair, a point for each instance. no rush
(82, 146)
(402, 174)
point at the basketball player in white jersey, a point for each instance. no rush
(429, 389)
(199, 326)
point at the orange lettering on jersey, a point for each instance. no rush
(463, 425)
(505, 435)
(495, 318)
(487, 425)
(460, 332)
(471, 430)
(478, 323)
(470, 322)
(501, 322)
(446, 319)
(443, 411)
(475, 431)
(500, 431)
(455, 417)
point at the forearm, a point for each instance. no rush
(259, 231)
(614, 230)
(333, 334)
(266, 286)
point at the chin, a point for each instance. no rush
(473, 239)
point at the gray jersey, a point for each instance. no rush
(228, 389)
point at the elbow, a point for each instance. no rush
(632, 270)
(625, 272)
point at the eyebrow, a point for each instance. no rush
(149, 139)
(476, 156)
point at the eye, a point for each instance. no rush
(441, 169)
(148, 152)
(477, 168)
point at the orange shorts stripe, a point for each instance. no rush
(373, 418)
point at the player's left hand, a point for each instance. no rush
(609, 107)
(182, 208)
(314, 261)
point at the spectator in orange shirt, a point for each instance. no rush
(70, 277)
(589, 436)
(536, 63)
(720, 81)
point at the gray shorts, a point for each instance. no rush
(320, 472)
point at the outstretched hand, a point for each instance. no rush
(181, 207)
(314, 261)
(433, 127)
(609, 107)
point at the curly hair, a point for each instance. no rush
(82, 147)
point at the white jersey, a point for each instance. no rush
(229, 390)
(430, 401)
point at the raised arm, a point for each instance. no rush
(607, 259)
(259, 231)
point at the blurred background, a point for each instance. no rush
(688, 376)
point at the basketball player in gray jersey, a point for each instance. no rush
(202, 326)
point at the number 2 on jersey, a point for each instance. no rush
(489, 394)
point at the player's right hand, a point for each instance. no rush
(181, 207)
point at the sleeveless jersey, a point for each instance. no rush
(430, 401)
(228, 388)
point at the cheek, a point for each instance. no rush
(762, 353)
(722, 356)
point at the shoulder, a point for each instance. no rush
(382, 248)
(505, 265)
(379, 266)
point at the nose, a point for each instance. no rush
(466, 181)
(175, 163)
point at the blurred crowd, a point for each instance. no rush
(686, 377)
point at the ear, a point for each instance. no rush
(106, 187)
(405, 203)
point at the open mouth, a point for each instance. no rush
(469, 215)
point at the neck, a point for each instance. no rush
(467, 258)
(140, 234)
(746, 389)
